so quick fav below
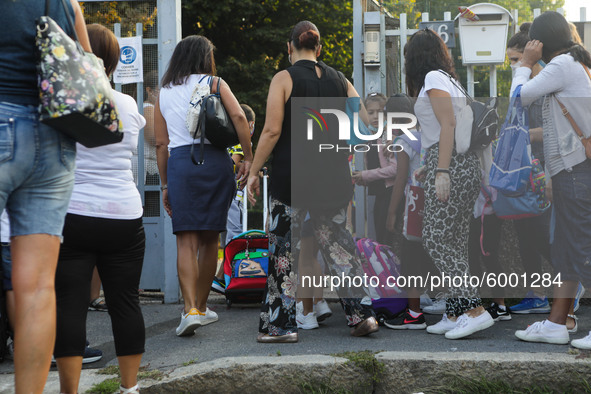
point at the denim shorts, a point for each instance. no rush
(36, 172)
(6, 266)
(571, 249)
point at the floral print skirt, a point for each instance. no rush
(338, 252)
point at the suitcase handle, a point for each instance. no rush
(265, 204)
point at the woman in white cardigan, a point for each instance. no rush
(565, 81)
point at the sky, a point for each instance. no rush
(571, 8)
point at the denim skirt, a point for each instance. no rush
(200, 195)
(571, 249)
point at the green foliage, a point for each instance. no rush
(107, 386)
(190, 362)
(251, 38)
(110, 370)
(367, 361)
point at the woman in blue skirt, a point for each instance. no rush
(197, 197)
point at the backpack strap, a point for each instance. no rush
(457, 85)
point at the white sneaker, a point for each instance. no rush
(442, 326)
(583, 343)
(306, 322)
(576, 327)
(467, 325)
(437, 308)
(425, 300)
(322, 310)
(208, 317)
(539, 332)
(189, 323)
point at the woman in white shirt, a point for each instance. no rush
(104, 229)
(452, 180)
(565, 81)
(196, 196)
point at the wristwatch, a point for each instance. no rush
(163, 187)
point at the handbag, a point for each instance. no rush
(214, 123)
(585, 141)
(75, 93)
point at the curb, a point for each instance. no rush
(386, 372)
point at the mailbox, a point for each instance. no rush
(484, 41)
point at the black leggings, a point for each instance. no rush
(116, 247)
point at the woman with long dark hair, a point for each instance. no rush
(565, 85)
(328, 191)
(197, 197)
(452, 180)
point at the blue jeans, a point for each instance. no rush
(6, 266)
(36, 172)
(571, 249)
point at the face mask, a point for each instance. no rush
(516, 65)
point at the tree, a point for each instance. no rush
(251, 38)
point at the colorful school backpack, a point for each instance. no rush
(380, 261)
(512, 163)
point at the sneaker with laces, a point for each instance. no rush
(443, 326)
(532, 304)
(189, 323)
(425, 300)
(208, 317)
(540, 332)
(91, 355)
(306, 322)
(322, 310)
(405, 321)
(98, 304)
(499, 314)
(578, 296)
(218, 285)
(583, 343)
(437, 308)
(468, 325)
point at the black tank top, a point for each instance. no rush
(324, 176)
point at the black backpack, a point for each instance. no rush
(485, 125)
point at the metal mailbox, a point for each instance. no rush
(484, 41)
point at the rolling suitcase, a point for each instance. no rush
(246, 259)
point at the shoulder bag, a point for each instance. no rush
(75, 93)
(214, 123)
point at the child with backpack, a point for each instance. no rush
(415, 261)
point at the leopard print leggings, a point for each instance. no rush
(446, 225)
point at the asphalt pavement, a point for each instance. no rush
(234, 335)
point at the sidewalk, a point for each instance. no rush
(234, 335)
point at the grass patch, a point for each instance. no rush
(110, 370)
(153, 374)
(193, 361)
(322, 388)
(108, 386)
(366, 360)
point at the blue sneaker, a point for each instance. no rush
(580, 293)
(532, 304)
